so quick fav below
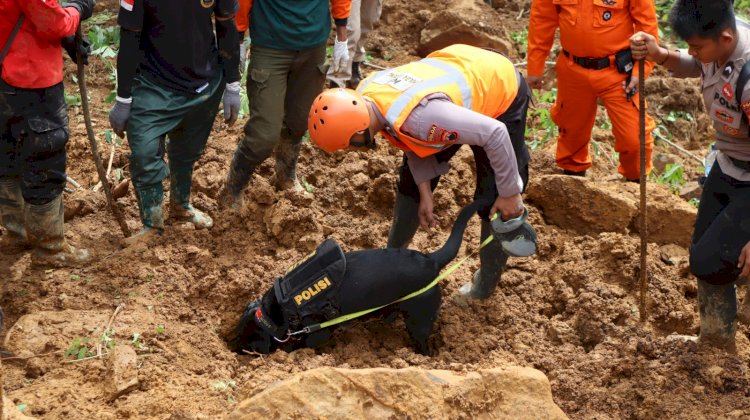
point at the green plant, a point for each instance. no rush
(675, 116)
(72, 99)
(521, 39)
(673, 176)
(78, 349)
(695, 202)
(107, 339)
(104, 41)
(306, 185)
(160, 329)
(224, 385)
(136, 341)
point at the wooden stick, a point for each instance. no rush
(109, 167)
(94, 148)
(643, 180)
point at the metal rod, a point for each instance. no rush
(643, 180)
(94, 148)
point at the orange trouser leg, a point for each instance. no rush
(625, 127)
(574, 112)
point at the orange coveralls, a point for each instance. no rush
(592, 29)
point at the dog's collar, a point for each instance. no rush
(265, 322)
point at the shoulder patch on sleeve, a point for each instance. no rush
(127, 4)
(441, 136)
(746, 108)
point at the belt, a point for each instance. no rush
(590, 63)
(742, 164)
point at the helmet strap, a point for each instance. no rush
(368, 142)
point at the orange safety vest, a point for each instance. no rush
(483, 81)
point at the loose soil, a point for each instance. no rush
(571, 311)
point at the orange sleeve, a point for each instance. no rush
(643, 13)
(340, 8)
(542, 26)
(243, 15)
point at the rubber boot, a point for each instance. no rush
(492, 264)
(287, 153)
(150, 200)
(44, 226)
(12, 215)
(181, 179)
(718, 314)
(743, 313)
(240, 171)
(405, 221)
(356, 75)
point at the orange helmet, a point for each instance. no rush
(335, 116)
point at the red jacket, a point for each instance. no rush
(35, 57)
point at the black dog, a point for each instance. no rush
(328, 284)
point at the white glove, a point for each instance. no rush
(340, 55)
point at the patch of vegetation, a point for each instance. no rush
(78, 349)
(673, 177)
(542, 120)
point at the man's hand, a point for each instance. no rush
(744, 262)
(340, 55)
(643, 45)
(231, 102)
(73, 47)
(630, 88)
(427, 218)
(535, 82)
(118, 116)
(85, 7)
(509, 207)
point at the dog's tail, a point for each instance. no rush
(448, 252)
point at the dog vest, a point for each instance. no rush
(311, 286)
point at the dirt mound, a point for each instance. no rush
(511, 392)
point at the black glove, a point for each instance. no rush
(85, 7)
(74, 46)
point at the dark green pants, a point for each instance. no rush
(158, 114)
(281, 87)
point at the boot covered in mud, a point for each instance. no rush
(356, 75)
(743, 313)
(287, 153)
(240, 171)
(492, 264)
(150, 200)
(718, 314)
(12, 215)
(181, 180)
(405, 221)
(44, 227)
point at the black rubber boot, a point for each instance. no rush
(718, 314)
(356, 74)
(405, 221)
(12, 215)
(180, 208)
(492, 264)
(150, 201)
(44, 225)
(287, 153)
(238, 177)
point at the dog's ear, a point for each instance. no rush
(246, 331)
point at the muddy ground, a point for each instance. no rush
(571, 311)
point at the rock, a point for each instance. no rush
(447, 27)
(690, 191)
(673, 254)
(590, 207)
(122, 375)
(583, 206)
(380, 393)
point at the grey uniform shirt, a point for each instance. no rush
(469, 127)
(724, 105)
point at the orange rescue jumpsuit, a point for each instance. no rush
(592, 29)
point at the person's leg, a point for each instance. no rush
(625, 125)
(155, 113)
(43, 179)
(514, 119)
(266, 89)
(11, 199)
(574, 112)
(353, 34)
(185, 147)
(369, 16)
(305, 83)
(405, 211)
